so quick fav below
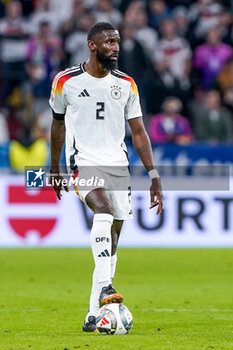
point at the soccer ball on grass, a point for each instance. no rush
(114, 319)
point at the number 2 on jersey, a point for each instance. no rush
(100, 109)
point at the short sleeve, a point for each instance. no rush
(57, 99)
(133, 107)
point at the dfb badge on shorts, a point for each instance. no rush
(116, 92)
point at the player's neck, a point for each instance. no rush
(94, 68)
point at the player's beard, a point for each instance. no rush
(106, 61)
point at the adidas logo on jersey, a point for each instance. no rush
(84, 93)
(104, 322)
(104, 253)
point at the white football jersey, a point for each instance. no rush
(95, 111)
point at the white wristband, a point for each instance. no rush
(153, 174)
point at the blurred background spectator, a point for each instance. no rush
(106, 13)
(203, 15)
(43, 60)
(228, 100)
(158, 11)
(14, 34)
(72, 23)
(61, 9)
(170, 125)
(215, 124)
(171, 68)
(132, 58)
(178, 48)
(173, 55)
(225, 26)
(210, 57)
(76, 42)
(180, 15)
(45, 13)
(225, 76)
(145, 35)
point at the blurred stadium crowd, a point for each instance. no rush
(178, 51)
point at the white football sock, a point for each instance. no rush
(113, 265)
(96, 289)
(101, 248)
(94, 299)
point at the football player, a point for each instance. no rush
(90, 103)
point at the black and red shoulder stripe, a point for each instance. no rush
(65, 75)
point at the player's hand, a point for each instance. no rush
(57, 183)
(156, 195)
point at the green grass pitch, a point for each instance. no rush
(179, 298)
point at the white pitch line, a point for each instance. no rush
(186, 310)
(133, 309)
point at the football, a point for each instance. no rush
(114, 319)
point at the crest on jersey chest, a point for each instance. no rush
(116, 92)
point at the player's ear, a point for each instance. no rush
(91, 45)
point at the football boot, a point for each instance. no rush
(90, 325)
(109, 295)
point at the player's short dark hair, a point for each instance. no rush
(98, 28)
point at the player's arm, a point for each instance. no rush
(57, 143)
(142, 145)
(58, 104)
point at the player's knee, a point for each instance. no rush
(103, 206)
(99, 201)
